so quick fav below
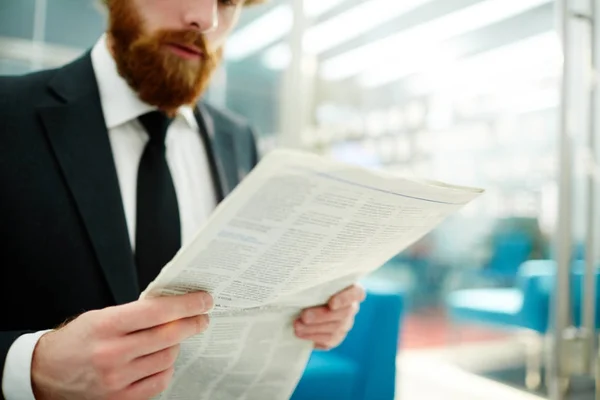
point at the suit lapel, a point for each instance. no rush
(220, 147)
(76, 130)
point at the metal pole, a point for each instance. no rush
(589, 304)
(561, 297)
(292, 101)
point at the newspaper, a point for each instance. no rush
(298, 229)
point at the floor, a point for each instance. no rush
(437, 374)
(439, 360)
(436, 356)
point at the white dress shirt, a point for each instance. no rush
(187, 160)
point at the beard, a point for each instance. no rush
(160, 77)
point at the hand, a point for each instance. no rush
(328, 325)
(124, 352)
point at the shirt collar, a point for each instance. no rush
(120, 103)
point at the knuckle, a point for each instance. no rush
(171, 333)
(91, 316)
(304, 315)
(318, 313)
(100, 321)
(112, 381)
(197, 303)
(101, 357)
(156, 308)
(190, 303)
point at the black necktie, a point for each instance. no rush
(158, 231)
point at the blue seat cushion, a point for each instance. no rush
(327, 376)
(493, 306)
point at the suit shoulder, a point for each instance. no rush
(17, 88)
(245, 137)
(229, 119)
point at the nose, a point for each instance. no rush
(202, 15)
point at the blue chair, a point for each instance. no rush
(363, 367)
(525, 306)
(508, 252)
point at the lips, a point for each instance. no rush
(189, 49)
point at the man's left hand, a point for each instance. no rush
(328, 325)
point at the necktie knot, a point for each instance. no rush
(156, 124)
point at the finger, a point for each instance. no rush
(152, 364)
(324, 341)
(326, 328)
(150, 341)
(319, 315)
(148, 313)
(139, 369)
(346, 297)
(148, 387)
(326, 347)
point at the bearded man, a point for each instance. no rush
(108, 165)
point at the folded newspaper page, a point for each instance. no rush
(298, 229)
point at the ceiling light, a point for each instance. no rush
(405, 44)
(533, 59)
(271, 27)
(260, 33)
(355, 22)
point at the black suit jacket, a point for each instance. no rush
(64, 246)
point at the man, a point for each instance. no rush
(108, 165)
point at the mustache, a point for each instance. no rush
(187, 38)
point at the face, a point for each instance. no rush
(168, 49)
(213, 18)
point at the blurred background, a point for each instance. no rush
(463, 91)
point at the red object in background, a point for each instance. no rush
(433, 329)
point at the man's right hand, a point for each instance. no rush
(123, 352)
